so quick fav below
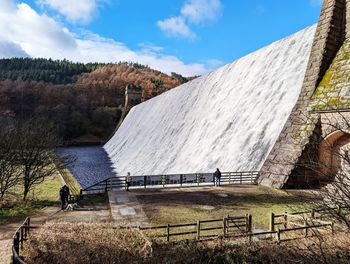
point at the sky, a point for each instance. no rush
(190, 37)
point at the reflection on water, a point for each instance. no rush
(92, 164)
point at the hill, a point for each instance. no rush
(84, 100)
(117, 76)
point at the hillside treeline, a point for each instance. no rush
(152, 82)
(46, 70)
(75, 111)
(84, 100)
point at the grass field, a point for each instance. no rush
(44, 194)
(188, 205)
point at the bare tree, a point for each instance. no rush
(37, 143)
(9, 172)
(327, 158)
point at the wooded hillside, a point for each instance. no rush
(84, 100)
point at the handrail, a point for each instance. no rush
(163, 180)
(18, 238)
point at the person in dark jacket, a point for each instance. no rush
(62, 198)
(66, 194)
(217, 177)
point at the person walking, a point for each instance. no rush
(217, 177)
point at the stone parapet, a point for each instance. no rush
(330, 35)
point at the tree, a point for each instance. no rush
(325, 162)
(9, 172)
(37, 142)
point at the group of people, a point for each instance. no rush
(64, 195)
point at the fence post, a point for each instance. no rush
(198, 229)
(313, 213)
(249, 223)
(168, 233)
(306, 229)
(26, 229)
(332, 227)
(16, 243)
(181, 179)
(285, 222)
(224, 226)
(241, 178)
(229, 178)
(145, 181)
(278, 234)
(272, 222)
(21, 236)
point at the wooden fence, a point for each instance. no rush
(232, 227)
(228, 226)
(241, 227)
(171, 181)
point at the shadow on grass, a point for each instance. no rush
(205, 198)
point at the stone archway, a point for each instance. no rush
(333, 150)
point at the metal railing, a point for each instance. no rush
(18, 238)
(172, 180)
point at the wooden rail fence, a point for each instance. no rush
(241, 227)
(228, 226)
(232, 227)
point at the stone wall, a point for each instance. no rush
(282, 161)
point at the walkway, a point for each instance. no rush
(7, 230)
(126, 209)
(90, 211)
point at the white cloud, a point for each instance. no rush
(199, 11)
(74, 10)
(24, 32)
(195, 12)
(176, 27)
(213, 63)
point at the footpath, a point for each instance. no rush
(125, 209)
(7, 230)
(87, 213)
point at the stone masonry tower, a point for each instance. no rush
(325, 93)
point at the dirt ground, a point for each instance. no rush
(172, 206)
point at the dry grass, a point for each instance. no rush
(86, 243)
(187, 205)
(106, 243)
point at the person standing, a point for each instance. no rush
(66, 194)
(217, 177)
(62, 198)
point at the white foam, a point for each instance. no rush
(229, 119)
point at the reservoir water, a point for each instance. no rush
(91, 164)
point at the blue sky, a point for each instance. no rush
(187, 36)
